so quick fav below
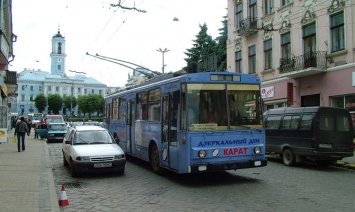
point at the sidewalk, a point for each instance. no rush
(26, 180)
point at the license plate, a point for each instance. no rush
(325, 146)
(102, 165)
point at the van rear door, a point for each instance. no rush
(334, 131)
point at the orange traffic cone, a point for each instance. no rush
(63, 201)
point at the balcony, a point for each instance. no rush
(248, 26)
(304, 65)
(11, 82)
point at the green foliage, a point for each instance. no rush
(221, 47)
(82, 103)
(40, 102)
(70, 102)
(204, 46)
(55, 103)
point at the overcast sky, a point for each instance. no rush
(94, 26)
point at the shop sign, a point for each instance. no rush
(267, 92)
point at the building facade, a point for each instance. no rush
(8, 83)
(302, 50)
(34, 82)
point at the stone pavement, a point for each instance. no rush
(26, 179)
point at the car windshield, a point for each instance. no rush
(93, 137)
(58, 127)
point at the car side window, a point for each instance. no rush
(272, 122)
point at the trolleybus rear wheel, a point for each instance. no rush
(154, 159)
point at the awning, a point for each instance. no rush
(3, 90)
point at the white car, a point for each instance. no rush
(92, 149)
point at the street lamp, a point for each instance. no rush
(163, 51)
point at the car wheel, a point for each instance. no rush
(154, 160)
(65, 162)
(288, 157)
(73, 171)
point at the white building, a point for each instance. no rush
(34, 82)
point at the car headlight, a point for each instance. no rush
(257, 150)
(83, 158)
(202, 153)
(117, 157)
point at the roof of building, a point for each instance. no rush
(41, 76)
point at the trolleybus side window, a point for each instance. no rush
(121, 108)
(141, 106)
(154, 105)
(115, 108)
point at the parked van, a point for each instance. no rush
(319, 134)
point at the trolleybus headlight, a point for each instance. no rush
(202, 153)
(257, 150)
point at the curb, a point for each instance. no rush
(345, 164)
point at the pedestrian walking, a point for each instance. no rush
(36, 127)
(29, 123)
(20, 130)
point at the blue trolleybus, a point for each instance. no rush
(191, 123)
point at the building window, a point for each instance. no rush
(286, 46)
(284, 2)
(268, 54)
(79, 90)
(49, 88)
(92, 91)
(40, 88)
(23, 88)
(238, 15)
(31, 88)
(268, 6)
(59, 48)
(253, 10)
(252, 60)
(57, 88)
(59, 67)
(31, 98)
(337, 32)
(85, 91)
(309, 38)
(238, 62)
(22, 98)
(100, 92)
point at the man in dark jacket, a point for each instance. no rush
(21, 129)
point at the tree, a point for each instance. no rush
(83, 104)
(221, 47)
(40, 102)
(70, 102)
(55, 103)
(203, 46)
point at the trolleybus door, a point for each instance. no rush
(130, 128)
(169, 132)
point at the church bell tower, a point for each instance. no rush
(58, 54)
